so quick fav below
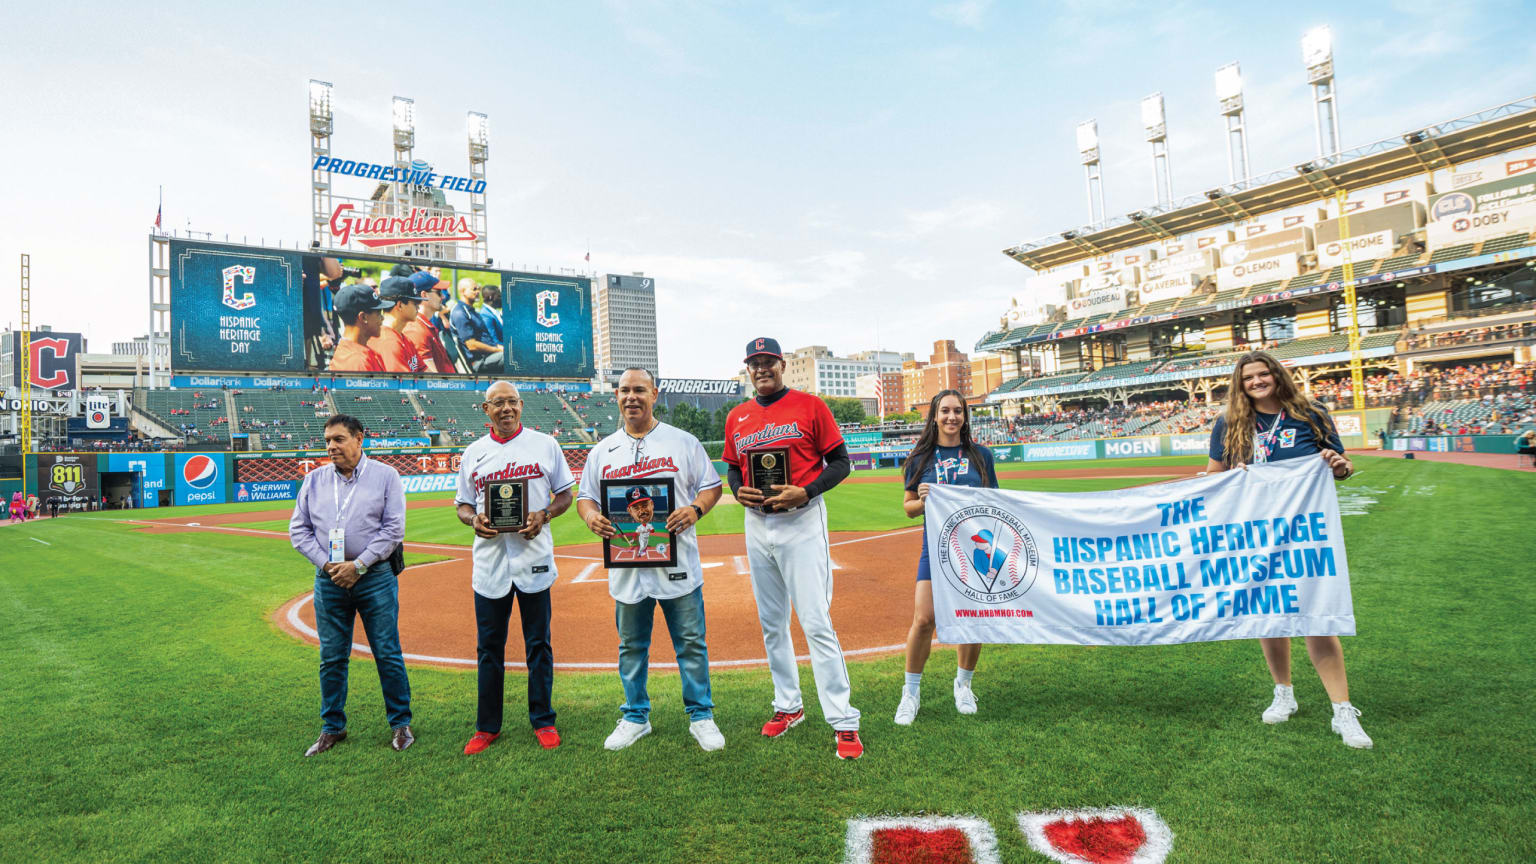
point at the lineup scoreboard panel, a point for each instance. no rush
(236, 308)
(251, 310)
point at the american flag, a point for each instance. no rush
(879, 393)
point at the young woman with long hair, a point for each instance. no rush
(1267, 420)
(944, 454)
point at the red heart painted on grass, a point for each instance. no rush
(1102, 841)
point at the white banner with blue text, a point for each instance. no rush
(1237, 555)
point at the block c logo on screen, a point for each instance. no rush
(246, 275)
(545, 300)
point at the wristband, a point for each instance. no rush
(697, 510)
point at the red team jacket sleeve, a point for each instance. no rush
(828, 436)
(729, 454)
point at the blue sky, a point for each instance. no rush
(835, 174)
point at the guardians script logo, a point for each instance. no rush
(379, 231)
(988, 555)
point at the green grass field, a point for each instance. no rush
(153, 713)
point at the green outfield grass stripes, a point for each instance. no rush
(153, 712)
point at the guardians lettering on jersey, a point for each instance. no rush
(644, 468)
(948, 469)
(770, 434)
(513, 471)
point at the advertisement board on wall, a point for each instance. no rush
(1361, 248)
(1402, 218)
(1180, 445)
(1252, 271)
(701, 386)
(69, 477)
(1122, 448)
(1504, 206)
(151, 470)
(271, 490)
(199, 478)
(55, 360)
(1055, 451)
(1167, 288)
(1096, 304)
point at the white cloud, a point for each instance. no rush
(964, 13)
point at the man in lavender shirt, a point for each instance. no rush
(365, 500)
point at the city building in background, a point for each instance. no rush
(947, 368)
(815, 369)
(626, 324)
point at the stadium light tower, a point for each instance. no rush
(321, 124)
(1155, 118)
(479, 151)
(1229, 92)
(1317, 54)
(1088, 147)
(404, 122)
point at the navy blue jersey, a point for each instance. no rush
(1277, 437)
(951, 466)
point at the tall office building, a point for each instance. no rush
(626, 324)
(815, 369)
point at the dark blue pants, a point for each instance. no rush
(375, 599)
(492, 617)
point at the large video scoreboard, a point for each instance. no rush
(250, 310)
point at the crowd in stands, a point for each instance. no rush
(1471, 336)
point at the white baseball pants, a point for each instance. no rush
(791, 561)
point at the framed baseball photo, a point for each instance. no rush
(638, 510)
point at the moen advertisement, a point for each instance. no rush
(199, 479)
(247, 310)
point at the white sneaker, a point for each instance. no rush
(626, 733)
(1346, 722)
(706, 733)
(906, 712)
(1283, 707)
(965, 700)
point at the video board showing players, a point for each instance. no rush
(245, 309)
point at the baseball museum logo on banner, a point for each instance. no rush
(1234, 555)
(235, 308)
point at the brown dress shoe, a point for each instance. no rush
(325, 742)
(402, 738)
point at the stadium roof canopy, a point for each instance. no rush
(1486, 133)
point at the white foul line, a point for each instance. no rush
(44, 542)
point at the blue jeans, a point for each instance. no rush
(685, 623)
(376, 599)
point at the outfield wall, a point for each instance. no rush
(1456, 443)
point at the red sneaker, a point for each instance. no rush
(781, 722)
(848, 744)
(549, 738)
(479, 741)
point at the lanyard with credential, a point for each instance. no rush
(341, 508)
(1264, 441)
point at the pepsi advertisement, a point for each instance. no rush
(200, 478)
(236, 307)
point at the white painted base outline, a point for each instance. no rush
(1155, 850)
(860, 842)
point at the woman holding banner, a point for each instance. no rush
(944, 454)
(1268, 420)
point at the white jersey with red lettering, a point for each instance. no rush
(508, 559)
(664, 452)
